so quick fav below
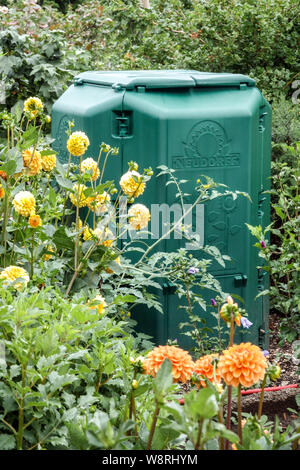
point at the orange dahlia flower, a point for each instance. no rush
(205, 367)
(3, 175)
(34, 221)
(242, 364)
(183, 365)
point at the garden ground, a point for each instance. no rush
(281, 403)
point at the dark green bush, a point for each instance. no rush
(259, 39)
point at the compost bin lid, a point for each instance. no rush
(155, 79)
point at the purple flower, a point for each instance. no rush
(213, 302)
(245, 322)
(262, 244)
(193, 270)
(266, 353)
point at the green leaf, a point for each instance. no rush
(47, 152)
(59, 381)
(52, 196)
(77, 436)
(279, 212)
(201, 404)
(123, 299)
(163, 380)
(17, 110)
(229, 435)
(9, 167)
(29, 138)
(7, 442)
(64, 182)
(61, 240)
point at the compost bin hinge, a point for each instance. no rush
(123, 125)
(240, 280)
(261, 200)
(261, 279)
(78, 81)
(261, 122)
(168, 288)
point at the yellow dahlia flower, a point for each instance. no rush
(2, 191)
(89, 165)
(11, 273)
(105, 237)
(34, 221)
(99, 202)
(32, 161)
(24, 203)
(78, 143)
(33, 106)
(48, 256)
(87, 233)
(243, 364)
(48, 162)
(101, 304)
(132, 184)
(139, 216)
(78, 198)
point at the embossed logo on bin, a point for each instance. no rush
(206, 146)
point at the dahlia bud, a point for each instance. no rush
(135, 384)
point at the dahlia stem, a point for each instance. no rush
(32, 254)
(153, 425)
(77, 271)
(132, 410)
(220, 416)
(239, 403)
(77, 220)
(260, 405)
(5, 220)
(19, 437)
(65, 196)
(228, 418)
(131, 400)
(231, 331)
(8, 137)
(104, 165)
(228, 421)
(200, 426)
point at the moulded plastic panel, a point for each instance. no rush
(197, 123)
(93, 110)
(214, 132)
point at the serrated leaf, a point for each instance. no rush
(163, 380)
(7, 442)
(9, 167)
(64, 182)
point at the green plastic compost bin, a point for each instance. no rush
(196, 123)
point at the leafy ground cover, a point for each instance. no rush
(74, 375)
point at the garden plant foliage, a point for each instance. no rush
(259, 39)
(73, 372)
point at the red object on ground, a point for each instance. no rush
(267, 389)
(257, 390)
